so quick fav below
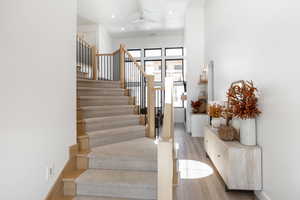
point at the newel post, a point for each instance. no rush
(151, 106)
(94, 63)
(168, 129)
(122, 66)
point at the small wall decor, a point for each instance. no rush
(204, 74)
(242, 104)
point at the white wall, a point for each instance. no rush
(90, 33)
(37, 84)
(259, 40)
(104, 40)
(179, 115)
(194, 50)
(160, 40)
(97, 34)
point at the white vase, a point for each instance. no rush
(236, 123)
(248, 132)
(215, 122)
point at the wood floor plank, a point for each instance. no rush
(208, 188)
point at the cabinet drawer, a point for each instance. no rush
(221, 159)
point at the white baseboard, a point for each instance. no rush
(261, 195)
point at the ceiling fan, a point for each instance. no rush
(144, 16)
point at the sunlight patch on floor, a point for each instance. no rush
(192, 169)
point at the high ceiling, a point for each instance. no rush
(133, 17)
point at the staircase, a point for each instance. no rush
(115, 160)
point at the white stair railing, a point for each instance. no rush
(166, 154)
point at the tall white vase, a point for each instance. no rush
(248, 132)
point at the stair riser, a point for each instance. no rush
(97, 102)
(111, 124)
(106, 113)
(98, 85)
(116, 191)
(100, 92)
(117, 164)
(116, 138)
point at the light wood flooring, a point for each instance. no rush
(208, 188)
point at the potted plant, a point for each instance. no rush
(214, 112)
(242, 103)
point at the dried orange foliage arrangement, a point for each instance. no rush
(242, 100)
(199, 106)
(214, 110)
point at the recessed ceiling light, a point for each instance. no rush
(113, 16)
(170, 12)
(122, 29)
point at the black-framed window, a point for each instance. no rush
(178, 91)
(174, 51)
(175, 69)
(136, 53)
(153, 52)
(154, 67)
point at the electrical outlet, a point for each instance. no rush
(50, 172)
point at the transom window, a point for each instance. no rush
(154, 52)
(174, 51)
(136, 53)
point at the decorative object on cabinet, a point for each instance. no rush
(238, 165)
(242, 102)
(214, 112)
(199, 106)
(227, 133)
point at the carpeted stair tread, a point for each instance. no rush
(109, 118)
(106, 111)
(98, 81)
(108, 107)
(92, 88)
(138, 154)
(141, 148)
(117, 183)
(103, 100)
(99, 198)
(116, 130)
(104, 97)
(109, 122)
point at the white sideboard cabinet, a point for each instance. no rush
(238, 165)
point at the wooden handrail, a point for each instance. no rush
(104, 54)
(135, 62)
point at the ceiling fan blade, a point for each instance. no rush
(137, 21)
